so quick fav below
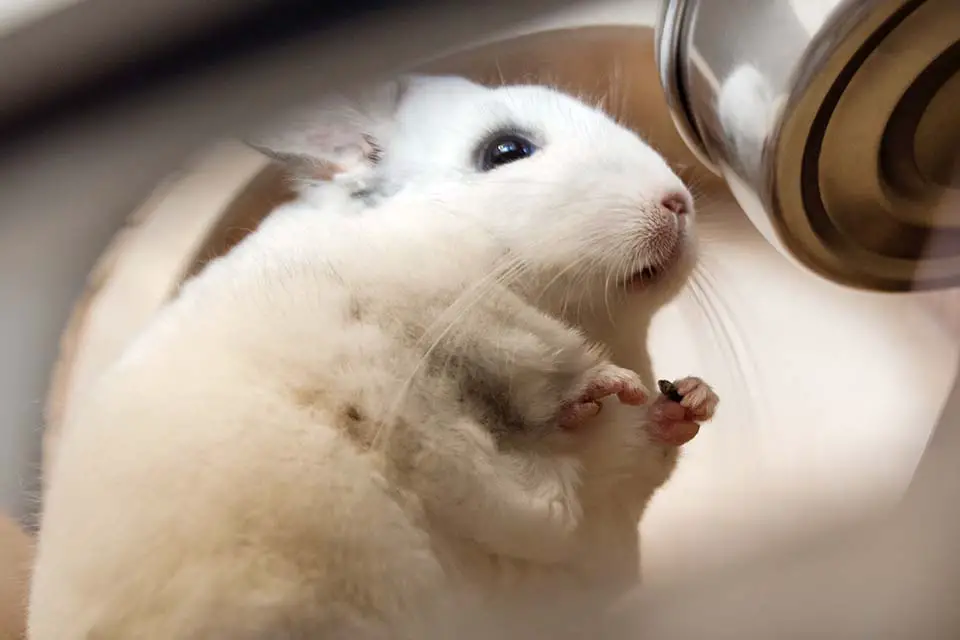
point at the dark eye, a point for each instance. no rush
(505, 149)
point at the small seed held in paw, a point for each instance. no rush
(669, 389)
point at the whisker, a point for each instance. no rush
(733, 348)
(503, 81)
(441, 328)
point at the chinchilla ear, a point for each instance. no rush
(340, 137)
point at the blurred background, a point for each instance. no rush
(831, 394)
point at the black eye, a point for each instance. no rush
(505, 149)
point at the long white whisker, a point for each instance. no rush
(445, 323)
(734, 349)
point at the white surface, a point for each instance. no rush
(16, 13)
(592, 13)
(836, 396)
(828, 399)
(829, 395)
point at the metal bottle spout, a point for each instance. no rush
(833, 122)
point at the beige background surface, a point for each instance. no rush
(15, 554)
(829, 395)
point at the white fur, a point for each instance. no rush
(212, 487)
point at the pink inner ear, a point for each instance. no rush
(325, 170)
(330, 152)
(332, 138)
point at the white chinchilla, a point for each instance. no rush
(383, 404)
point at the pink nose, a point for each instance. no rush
(678, 203)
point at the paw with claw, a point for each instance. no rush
(676, 416)
(601, 382)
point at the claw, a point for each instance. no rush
(602, 382)
(676, 414)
